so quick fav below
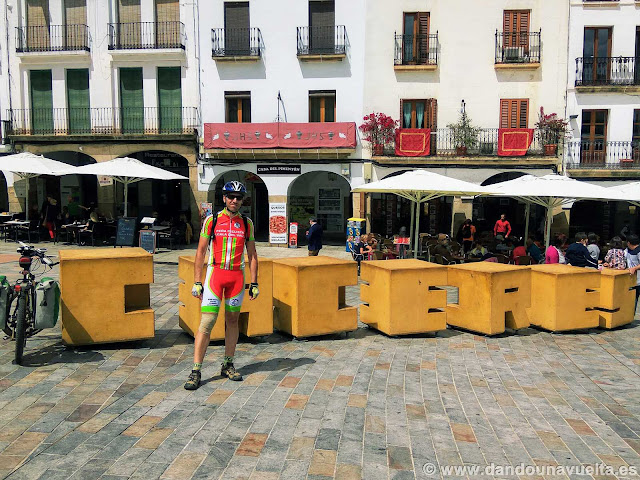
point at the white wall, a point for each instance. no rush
(466, 59)
(279, 68)
(624, 17)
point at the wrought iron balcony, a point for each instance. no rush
(52, 38)
(601, 71)
(601, 154)
(104, 121)
(146, 35)
(330, 40)
(236, 42)
(416, 49)
(517, 47)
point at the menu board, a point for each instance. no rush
(125, 234)
(148, 240)
(278, 223)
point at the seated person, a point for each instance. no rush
(444, 248)
(89, 226)
(519, 251)
(478, 250)
(534, 251)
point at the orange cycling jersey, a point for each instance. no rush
(228, 239)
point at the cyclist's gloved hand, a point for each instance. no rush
(253, 291)
(197, 289)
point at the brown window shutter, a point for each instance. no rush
(423, 37)
(401, 124)
(523, 114)
(432, 114)
(504, 113)
(507, 21)
(523, 21)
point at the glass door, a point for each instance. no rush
(594, 137)
(596, 55)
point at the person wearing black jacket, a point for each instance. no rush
(314, 237)
(577, 253)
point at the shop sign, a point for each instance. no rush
(280, 169)
(105, 181)
(278, 223)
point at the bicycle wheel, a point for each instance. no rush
(21, 326)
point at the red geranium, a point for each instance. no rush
(378, 128)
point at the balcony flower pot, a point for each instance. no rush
(550, 149)
(464, 134)
(379, 130)
(551, 130)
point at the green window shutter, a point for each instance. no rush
(170, 99)
(78, 101)
(131, 100)
(41, 102)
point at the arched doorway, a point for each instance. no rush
(4, 195)
(486, 210)
(69, 190)
(321, 194)
(255, 204)
(166, 200)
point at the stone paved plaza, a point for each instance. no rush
(361, 406)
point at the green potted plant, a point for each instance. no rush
(378, 129)
(551, 128)
(464, 134)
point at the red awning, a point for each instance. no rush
(280, 135)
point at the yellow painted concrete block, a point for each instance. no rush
(617, 301)
(564, 297)
(491, 297)
(401, 296)
(309, 295)
(105, 295)
(256, 316)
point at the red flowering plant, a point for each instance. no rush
(551, 128)
(378, 129)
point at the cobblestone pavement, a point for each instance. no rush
(361, 406)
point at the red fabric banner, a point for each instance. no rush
(514, 142)
(280, 135)
(413, 142)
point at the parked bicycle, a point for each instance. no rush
(25, 298)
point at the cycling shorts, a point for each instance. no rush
(227, 284)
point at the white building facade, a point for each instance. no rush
(87, 81)
(295, 67)
(498, 60)
(603, 106)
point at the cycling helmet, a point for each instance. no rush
(233, 186)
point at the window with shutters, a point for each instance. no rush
(322, 21)
(236, 28)
(415, 39)
(129, 27)
(168, 23)
(238, 107)
(38, 24)
(41, 102)
(515, 25)
(78, 101)
(322, 106)
(514, 113)
(170, 99)
(131, 100)
(75, 24)
(419, 113)
(593, 136)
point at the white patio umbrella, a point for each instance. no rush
(127, 171)
(552, 191)
(420, 186)
(28, 165)
(630, 190)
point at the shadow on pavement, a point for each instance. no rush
(60, 353)
(275, 364)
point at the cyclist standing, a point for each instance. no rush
(226, 234)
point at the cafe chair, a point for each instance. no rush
(29, 231)
(93, 235)
(524, 260)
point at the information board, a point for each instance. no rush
(147, 240)
(125, 234)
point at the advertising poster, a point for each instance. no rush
(278, 223)
(206, 209)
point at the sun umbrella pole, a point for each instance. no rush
(416, 240)
(413, 220)
(26, 201)
(547, 234)
(126, 197)
(527, 214)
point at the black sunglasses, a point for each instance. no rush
(236, 197)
